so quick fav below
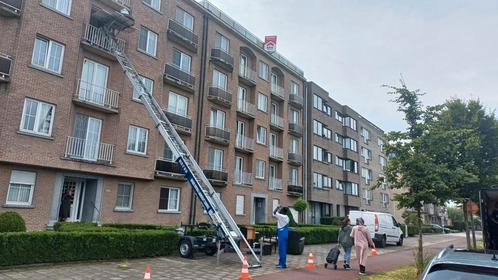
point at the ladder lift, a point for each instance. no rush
(219, 216)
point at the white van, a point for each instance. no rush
(382, 227)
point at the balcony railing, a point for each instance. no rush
(182, 35)
(218, 135)
(179, 77)
(216, 173)
(10, 8)
(277, 91)
(246, 108)
(275, 184)
(295, 158)
(247, 75)
(276, 152)
(5, 65)
(77, 148)
(222, 59)
(96, 37)
(97, 95)
(244, 143)
(296, 100)
(168, 168)
(220, 96)
(295, 129)
(242, 178)
(182, 123)
(277, 121)
(294, 189)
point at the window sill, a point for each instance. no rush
(261, 144)
(168, 212)
(123, 210)
(55, 11)
(45, 70)
(35, 135)
(18, 206)
(261, 111)
(148, 54)
(258, 178)
(136, 154)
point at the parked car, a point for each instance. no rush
(454, 263)
(382, 227)
(439, 229)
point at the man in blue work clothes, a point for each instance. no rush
(280, 213)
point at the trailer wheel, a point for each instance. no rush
(210, 251)
(185, 248)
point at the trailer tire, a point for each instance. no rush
(185, 248)
(210, 251)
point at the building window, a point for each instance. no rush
(21, 187)
(124, 196)
(274, 82)
(261, 135)
(366, 154)
(319, 104)
(260, 169)
(350, 188)
(327, 133)
(293, 146)
(222, 43)
(366, 174)
(217, 119)
(154, 4)
(384, 198)
(339, 117)
(339, 185)
(294, 117)
(169, 200)
(147, 41)
(263, 70)
(317, 153)
(182, 60)
(349, 122)
(365, 134)
(62, 6)
(274, 204)
(178, 104)
(294, 88)
(380, 143)
(37, 117)
(48, 54)
(215, 159)
(351, 144)
(368, 195)
(219, 80)
(137, 140)
(239, 205)
(382, 162)
(293, 174)
(347, 164)
(262, 102)
(317, 180)
(317, 127)
(185, 19)
(327, 182)
(149, 86)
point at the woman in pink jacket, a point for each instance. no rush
(361, 238)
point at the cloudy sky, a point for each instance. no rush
(446, 48)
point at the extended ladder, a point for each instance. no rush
(211, 202)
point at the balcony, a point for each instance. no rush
(5, 66)
(277, 122)
(352, 200)
(222, 59)
(166, 168)
(276, 153)
(183, 36)
(96, 97)
(293, 189)
(247, 76)
(244, 144)
(182, 124)
(218, 135)
(246, 109)
(296, 100)
(220, 96)
(275, 184)
(177, 77)
(216, 175)
(295, 159)
(95, 40)
(242, 178)
(10, 8)
(296, 129)
(81, 149)
(277, 92)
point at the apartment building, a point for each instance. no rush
(78, 145)
(344, 159)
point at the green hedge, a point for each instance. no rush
(12, 222)
(140, 226)
(53, 247)
(412, 230)
(319, 235)
(337, 221)
(82, 227)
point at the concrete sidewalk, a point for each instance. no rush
(377, 264)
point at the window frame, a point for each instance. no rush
(177, 98)
(147, 41)
(182, 23)
(137, 139)
(265, 98)
(145, 81)
(46, 62)
(237, 201)
(178, 199)
(219, 39)
(55, 9)
(182, 55)
(263, 66)
(264, 136)
(220, 80)
(158, 8)
(31, 191)
(37, 118)
(294, 88)
(130, 200)
(262, 171)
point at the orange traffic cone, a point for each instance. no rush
(373, 253)
(310, 264)
(244, 273)
(147, 273)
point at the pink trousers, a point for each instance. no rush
(362, 255)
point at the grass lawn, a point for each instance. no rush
(407, 272)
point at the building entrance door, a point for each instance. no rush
(72, 200)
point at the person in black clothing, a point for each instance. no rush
(493, 228)
(65, 210)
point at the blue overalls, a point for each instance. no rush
(283, 235)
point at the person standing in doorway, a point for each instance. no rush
(493, 228)
(361, 238)
(346, 241)
(65, 209)
(280, 213)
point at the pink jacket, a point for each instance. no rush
(361, 236)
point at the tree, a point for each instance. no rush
(300, 205)
(411, 167)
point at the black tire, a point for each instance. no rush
(383, 242)
(210, 251)
(400, 242)
(185, 249)
(335, 266)
(326, 264)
